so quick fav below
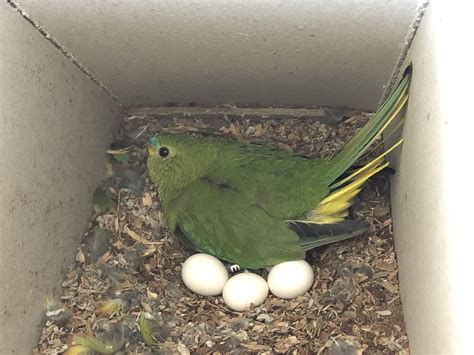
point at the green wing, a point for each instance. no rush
(284, 184)
(221, 220)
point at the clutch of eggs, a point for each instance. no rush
(206, 275)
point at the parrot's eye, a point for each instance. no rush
(164, 152)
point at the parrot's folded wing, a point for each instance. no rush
(220, 220)
(313, 235)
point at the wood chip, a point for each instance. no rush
(117, 151)
(137, 238)
(146, 200)
(390, 287)
(385, 266)
(255, 346)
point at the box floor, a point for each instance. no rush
(128, 255)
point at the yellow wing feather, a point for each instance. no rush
(334, 208)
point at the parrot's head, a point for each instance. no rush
(175, 161)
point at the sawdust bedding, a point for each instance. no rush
(129, 256)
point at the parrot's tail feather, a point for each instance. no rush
(385, 138)
(374, 162)
(361, 142)
(313, 235)
(335, 207)
(345, 185)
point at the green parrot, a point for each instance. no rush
(257, 206)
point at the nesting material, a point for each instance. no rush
(125, 288)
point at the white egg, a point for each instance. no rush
(244, 289)
(204, 274)
(290, 279)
